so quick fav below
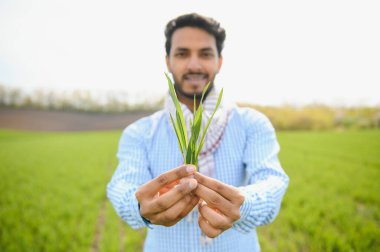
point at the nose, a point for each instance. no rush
(194, 64)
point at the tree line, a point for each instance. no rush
(286, 117)
(75, 100)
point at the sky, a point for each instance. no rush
(276, 52)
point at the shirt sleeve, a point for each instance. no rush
(267, 181)
(131, 172)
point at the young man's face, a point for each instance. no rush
(193, 59)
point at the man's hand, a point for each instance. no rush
(220, 207)
(171, 206)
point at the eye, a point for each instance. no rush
(207, 54)
(180, 54)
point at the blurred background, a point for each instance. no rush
(73, 74)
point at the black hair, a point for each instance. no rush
(195, 20)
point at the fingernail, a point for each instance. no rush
(183, 180)
(190, 168)
(192, 184)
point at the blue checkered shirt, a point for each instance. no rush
(246, 158)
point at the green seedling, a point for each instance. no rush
(190, 148)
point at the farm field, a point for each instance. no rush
(53, 193)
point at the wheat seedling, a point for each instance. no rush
(190, 148)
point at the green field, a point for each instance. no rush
(53, 193)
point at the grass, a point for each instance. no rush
(53, 193)
(332, 203)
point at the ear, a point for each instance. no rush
(220, 62)
(168, 63)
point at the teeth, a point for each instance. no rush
(195, 77)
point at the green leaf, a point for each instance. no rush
(204, 91)
(195, 105)
(180, 144)
(188, 153)
(198, 123)
(208, 122)
(178, 107)
(182, 130)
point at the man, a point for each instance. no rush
(239, 184)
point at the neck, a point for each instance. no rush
(188, 99)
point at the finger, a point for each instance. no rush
(170, 215)
(229, 192)
(168, 199)
(186, 211)
(164, 190)
(213, 199)
(168, 187)
(175, 213)
(189, 207)
(214, 218)
(207, 229)
(153, 186)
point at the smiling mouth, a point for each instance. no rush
(195, 79)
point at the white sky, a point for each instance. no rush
(276, 52)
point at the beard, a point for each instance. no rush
(178, 88)
(198, 96)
